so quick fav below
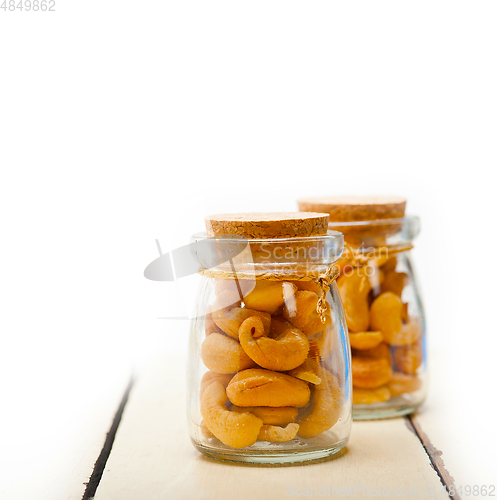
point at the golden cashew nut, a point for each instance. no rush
(210, 326)
(205, 431)
(410, 333)
(375, 274)
(387, 312)
(285, 352)
(369, 373)
(269, 296)
(223, 354)
(307, 372)
(227, 299)
(271, 416)
(408, 359)
(380, 351)
(325, 408)
(324, 341)
(365, 340)
(210, 377)
(223, 285)
(257, 387)
(301, 311)
(402, 383)
(354, 288)
(394, 282)
(275, 434)
(389, 265)
(232, 428)
(310, 286)
(278, 326)
(229, 320)
(370, 396)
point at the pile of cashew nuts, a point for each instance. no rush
(386, 341)
(266, 381)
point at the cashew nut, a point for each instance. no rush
(365, 340)
(229, 320)
(278, 326)
(209, 325)
(370, 396)
(389, 265)
(325, 408)
(246, 286)
(272, 416)
(324, 341)
(354, 288)
(408, 359)
(387, 312)
(210, 377)
(402, 383)
(257, 387)
(394, 282)
(232, 428)
(301, 311)
(369, 373)
(285, 352)
(276, 434)
(222, 354)
(307, 371)
(380, 351)
(269, 296)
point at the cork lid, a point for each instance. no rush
(261, 225)
(356, 208)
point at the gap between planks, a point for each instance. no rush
(435, 456)
(101, 462)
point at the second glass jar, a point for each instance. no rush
(382, 304)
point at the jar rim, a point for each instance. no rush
(311, 250)
(400, 230)
(330, 235)
(407, 220)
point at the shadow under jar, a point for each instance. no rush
(269, 360)
(382, 305)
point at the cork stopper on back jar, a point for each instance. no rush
(356, 208)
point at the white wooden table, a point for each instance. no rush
(137, 447)
(152, 457)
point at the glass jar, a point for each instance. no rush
(382, 304)
(269, 362)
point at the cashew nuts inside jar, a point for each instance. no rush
(269, 364)
(382, 304)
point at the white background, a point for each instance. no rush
(122, 122)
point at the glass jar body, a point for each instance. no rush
(385, 318)
(268, 377)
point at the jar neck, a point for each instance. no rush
(266, 271)
(379, 234)
(363, 256)
(278, 255)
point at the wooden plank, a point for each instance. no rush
(55, 462)
(153, 458)
(456, 421)
(435, 457)
(99, 467)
